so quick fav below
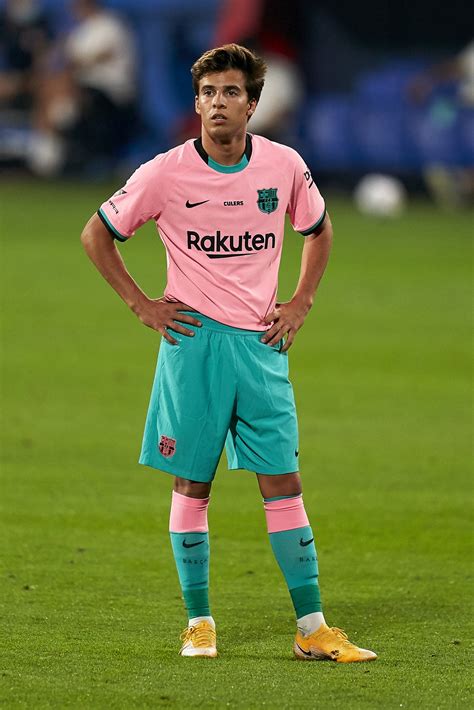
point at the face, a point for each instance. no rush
(223, 104)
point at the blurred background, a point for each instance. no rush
(91, 89)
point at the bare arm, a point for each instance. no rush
(288, 317)
(158, 314)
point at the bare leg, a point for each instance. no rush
(285, 484)
(192, 489)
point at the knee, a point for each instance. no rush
(192, 489)
(287, 484)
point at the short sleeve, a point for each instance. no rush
(140, 200)
(306, 207)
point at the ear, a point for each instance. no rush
(251, 108)
(196, 105)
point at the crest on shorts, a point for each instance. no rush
(267, 200)
(167, 446)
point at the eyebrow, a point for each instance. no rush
(227, 86)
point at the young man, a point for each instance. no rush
(220, 203)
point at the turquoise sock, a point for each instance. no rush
(191, 554)
(295, 553)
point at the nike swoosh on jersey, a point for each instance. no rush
(195, 204)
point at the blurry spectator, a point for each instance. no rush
(278, 39)
(266, 27)
(238, 19)
(87, 112)
(280, 99)
(24, 37)
(450, 186)
(459, 69)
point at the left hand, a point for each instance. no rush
(287, 319)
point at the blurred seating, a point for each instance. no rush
(373, 127)
(376, 127)
(327, 128)
(170, 35)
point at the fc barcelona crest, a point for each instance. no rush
(167, 446)
(267, 200)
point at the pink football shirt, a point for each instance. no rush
(222, 227)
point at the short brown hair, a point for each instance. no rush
(232, 56)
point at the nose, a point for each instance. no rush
(219, 100)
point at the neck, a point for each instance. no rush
(226, 151)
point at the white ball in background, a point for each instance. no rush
(380, 196)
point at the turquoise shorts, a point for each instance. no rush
(222, 386)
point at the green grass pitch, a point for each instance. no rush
(91, 609)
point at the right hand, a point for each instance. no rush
(160, 314)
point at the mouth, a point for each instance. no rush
(218, 118)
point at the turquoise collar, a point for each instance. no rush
(243, 162)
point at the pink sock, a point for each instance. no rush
(188, 514)
(285, 514)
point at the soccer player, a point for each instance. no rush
(222, 376)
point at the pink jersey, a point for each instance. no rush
(222, 226)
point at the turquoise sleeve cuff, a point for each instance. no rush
(315, 226)
(107, 223)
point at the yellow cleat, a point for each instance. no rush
(329, 644)
(199, 640)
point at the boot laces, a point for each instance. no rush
(201, 636)
(341, 634)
